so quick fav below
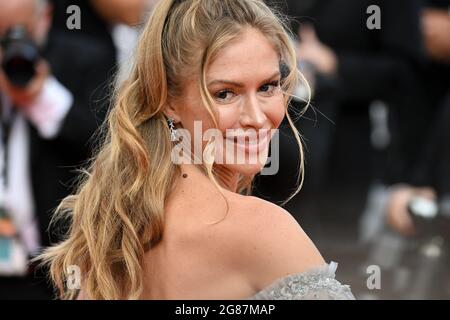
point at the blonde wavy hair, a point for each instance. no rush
(117, 212)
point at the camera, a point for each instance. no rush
(423, 207)
(20, 56)
(425, 215)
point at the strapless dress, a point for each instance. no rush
(318, 283)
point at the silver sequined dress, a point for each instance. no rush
(315, 284)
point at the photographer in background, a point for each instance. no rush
(47, 119)
(429, 183)
(350, 66)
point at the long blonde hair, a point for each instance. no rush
(117, 212)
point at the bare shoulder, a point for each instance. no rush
(272, 243)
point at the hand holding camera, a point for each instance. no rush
(407, 204)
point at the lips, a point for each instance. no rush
(251, 143)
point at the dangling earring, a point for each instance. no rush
(173, 131)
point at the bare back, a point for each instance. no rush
(197, 259)
(254, 245)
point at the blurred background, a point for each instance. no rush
(376, 195)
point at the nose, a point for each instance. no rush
(252, 115)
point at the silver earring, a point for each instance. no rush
(173, 131)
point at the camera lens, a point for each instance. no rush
(20, 56)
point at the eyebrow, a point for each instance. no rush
(238, 84)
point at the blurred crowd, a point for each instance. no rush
(377, 136)
(376, 129)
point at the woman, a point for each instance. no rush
(150, 225)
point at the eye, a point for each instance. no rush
(225, 96)
(270, 88)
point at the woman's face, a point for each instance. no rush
(244, 82)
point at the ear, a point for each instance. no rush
(171, 111)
